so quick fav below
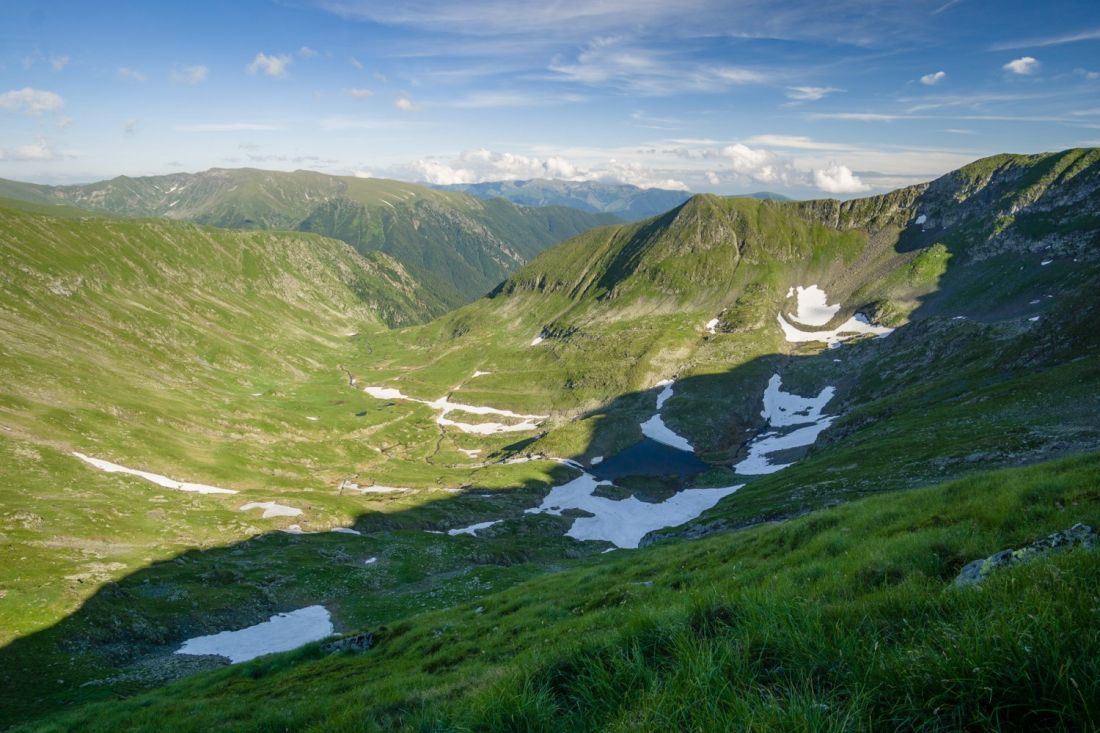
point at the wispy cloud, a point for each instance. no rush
(933, 79)
(31, 101)
(796, 142)
(228, 127)
(59, 62)
(404, 104)
(810, 94)
(491, 100)
(305, 52)
(1024, 66)
(40, 150)
(358, 93)
(124, 72)
(1073, 37)
(273, 66)
(195, 74)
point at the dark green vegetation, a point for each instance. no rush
(456, 246)
(843, 621)
(627, 202)
(830, 607)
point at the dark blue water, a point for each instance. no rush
(649, 458)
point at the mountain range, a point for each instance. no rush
(729, 466)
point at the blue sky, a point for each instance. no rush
(805, 98)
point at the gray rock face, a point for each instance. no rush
(1079, 534)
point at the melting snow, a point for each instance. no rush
(370, 561)
(857, 324)
(786, 410)
(624, 523)
(1044, 263)
(921, 219)
(813, 307)
(271, 509)
(345, 530)
(538, 339)
(445, 406)
(471, 452)
(156, 478)
(311, 418)
(655, 427)
(1033, 318)
(596, 461)
(712, 325)
(282, 632)
(473, 529)
(813, 310)
(479, 373)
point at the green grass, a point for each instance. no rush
(842, 620)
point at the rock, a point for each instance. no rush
(1079, 534)
(356, 644)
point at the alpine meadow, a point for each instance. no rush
(578, 367)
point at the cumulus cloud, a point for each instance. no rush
(190, 74)
(838, 178)
(31, 101)
(1024, 66)
(273, 66)
(130, 74)
(404, 104)
(810, 94)
(476, 166)
(757, 164)
(358, 93)
(933, 79)
(40, 150)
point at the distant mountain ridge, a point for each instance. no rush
(626, 201)
(457, 245)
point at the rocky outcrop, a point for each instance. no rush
(1078, 535)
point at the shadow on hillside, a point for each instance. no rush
(144, 616)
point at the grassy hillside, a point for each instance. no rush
(213, 369)
(456, 245)
(845, 620)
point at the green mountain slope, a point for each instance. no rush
(458, 245)
(488, 613)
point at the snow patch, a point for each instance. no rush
(473, 529)
(538, 339)
(655, 428)
(1044, 263)
(786, 410)
(624, 523)
(596, 461)
(470, 452)
(813, 307)
(311, 418)
(445, 406)
(712, 326)
(346, 530)
(155, 478)
(479, 373)
(854, 326)
(370, 561)
(271, 509)
(921, 219)
(282, 632)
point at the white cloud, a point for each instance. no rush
(273, 66)
(476, 166)
(59, 62)
(838, 178)
(933, 79)
(1089, 35)
(130, 74)
(799, 142)
(305, 52)
(1025, 66)
(759, 165)
(190, 74)
(358, 93)
(355, 62)
(39, 150)
(31, 101)
(227, 127)
(404, 104)
(64, 122)
(810, 94)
